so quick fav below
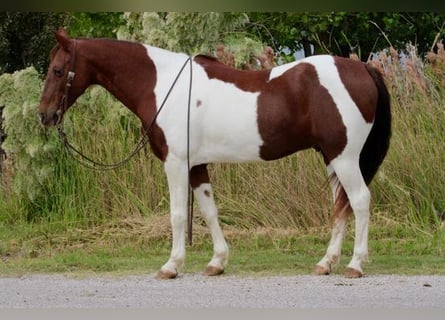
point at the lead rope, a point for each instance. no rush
(190, 191)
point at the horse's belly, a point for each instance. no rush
(228, 137)
(236, 148)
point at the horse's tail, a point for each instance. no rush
(377, 143)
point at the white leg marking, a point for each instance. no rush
(176, 172)
(333, 252)
(204, 196)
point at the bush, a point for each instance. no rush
(32, 151)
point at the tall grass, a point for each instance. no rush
(289, 193)
(411, 185)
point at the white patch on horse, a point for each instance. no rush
(357, 129)
(279, 70)
(226, 130)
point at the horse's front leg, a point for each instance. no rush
(177, 176)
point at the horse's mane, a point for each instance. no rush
(57, 46)
(199, 56)
(205, 56)
(207, 59)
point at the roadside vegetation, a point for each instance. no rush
(57, 216)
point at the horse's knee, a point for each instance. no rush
(177, 218)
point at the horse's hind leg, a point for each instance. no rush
(342, 211)
(202, 189)
(348, 172)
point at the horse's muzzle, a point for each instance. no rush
(50, 118)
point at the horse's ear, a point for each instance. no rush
(63, 39)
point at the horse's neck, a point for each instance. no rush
(120, 67)
(123, 66)
(131, 71)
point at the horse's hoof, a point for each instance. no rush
(321, 271)
(165, 275)
(352, 273)
(213, 271)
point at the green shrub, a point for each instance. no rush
(32, 149)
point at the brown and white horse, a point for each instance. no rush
(339, 106)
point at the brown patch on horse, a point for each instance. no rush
(246, 80)
(296, 112)
(198, 103)
(137, 74)
(198, 176)
(355, 77)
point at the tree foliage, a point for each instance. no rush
(95, 24)
(26, 39)
(240, 38)
(214, 33)
(341, 33)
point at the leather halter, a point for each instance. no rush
(63, 106)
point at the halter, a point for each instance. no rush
(95, 165)
(63, 106)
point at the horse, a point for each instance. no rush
(338, 106)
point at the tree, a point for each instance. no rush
(214, 33)
(239, 39)
(341, 33)
(26, 39)
(95, 24)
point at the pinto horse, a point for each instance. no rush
(336, 105)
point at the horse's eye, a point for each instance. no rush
(58, 72)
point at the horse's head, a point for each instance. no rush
(64, 80)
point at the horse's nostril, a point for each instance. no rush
(55, 118)
(42, 117)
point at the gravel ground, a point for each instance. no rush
(197, 291)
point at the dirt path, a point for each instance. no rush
(197, 291)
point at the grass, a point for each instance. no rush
(130, 247)
(276, 215)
